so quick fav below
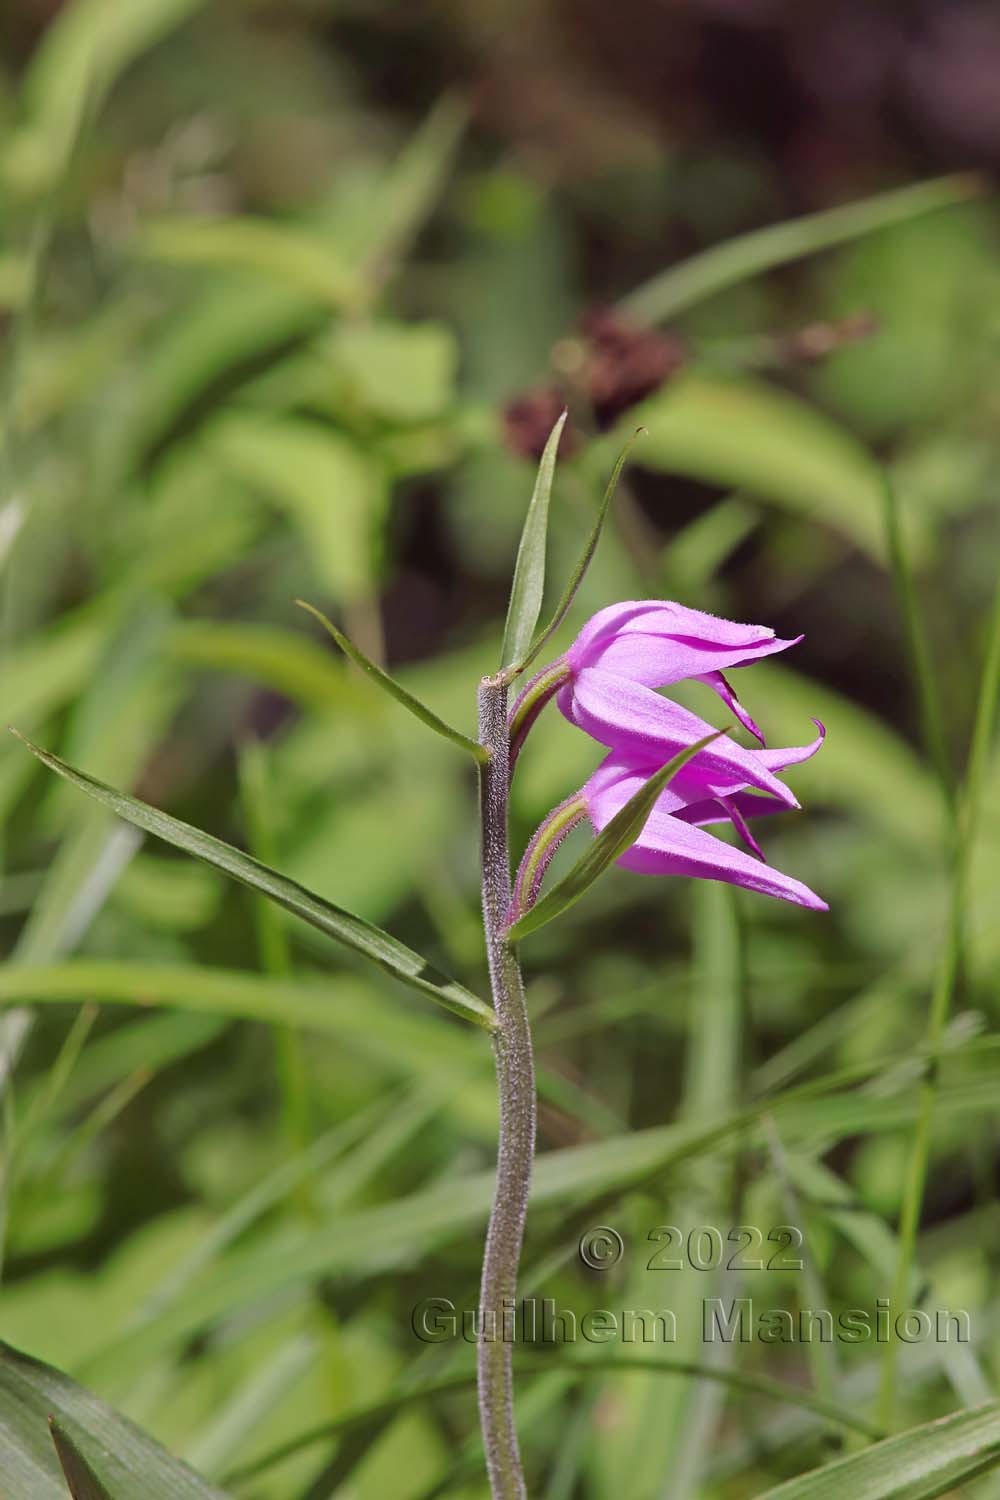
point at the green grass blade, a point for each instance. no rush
(83, 1482)
(918, 646)
(586, 557)
(274, 950)
(529, 570)
(133, 1465)
(949, 964)
(578, 1369)
(916, 1465)
(396, 690)
(371, 1241)
(680, 287)
(984, 725)
(82, 53)
(363, 937)
(298, 258)
(619, 835)
(740, 433)
(412, 187)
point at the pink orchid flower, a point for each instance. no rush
(656, 642)
(673, 842)
(648, 643)
(606, 685)
(645, 728)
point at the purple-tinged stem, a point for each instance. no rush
(516, 1088)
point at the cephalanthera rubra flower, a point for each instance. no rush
(673, 840)
(650, 643)
(656, 642)
(606, 684)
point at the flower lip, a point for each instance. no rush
(692, 785)
(672, 841)
(647, 729)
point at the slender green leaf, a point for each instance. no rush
(403, 1040)
(529, 570)
(288, 661)
(916, 1465)
(400, 372)
(747, 435)
(297, 256)
(578, 1369)
(984, 724)
(412, 186)
(131, 1464)
(207, 345)
(396, 689)
(579, 572)
(274, 950)
(619, 835)
(87, 46)
(725, 265)
(364, 937)
(333, 492)
(697, 552)
(918, 645)
(83, 1482)
(374, 1240)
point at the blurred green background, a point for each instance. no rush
(270, 276)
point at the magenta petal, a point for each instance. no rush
(719, 809)
(660, 660)
(665, 617)
(657, 642)
(693, 786)
(651, 729)
(606, 623)
(672, 847)
(793, 755)
(653, 660)
(662, 617)
(669, 846)
(716, 681)
(741, 825)
(615, 781)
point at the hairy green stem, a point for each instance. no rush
(516, 1088)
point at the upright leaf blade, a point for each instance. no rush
(396, 690)
(916, 1465)
(619, 835)
(132, 1465)
(586, 557)
(363, 937)
(529, 571)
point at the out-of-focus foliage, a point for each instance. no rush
(268, 275)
